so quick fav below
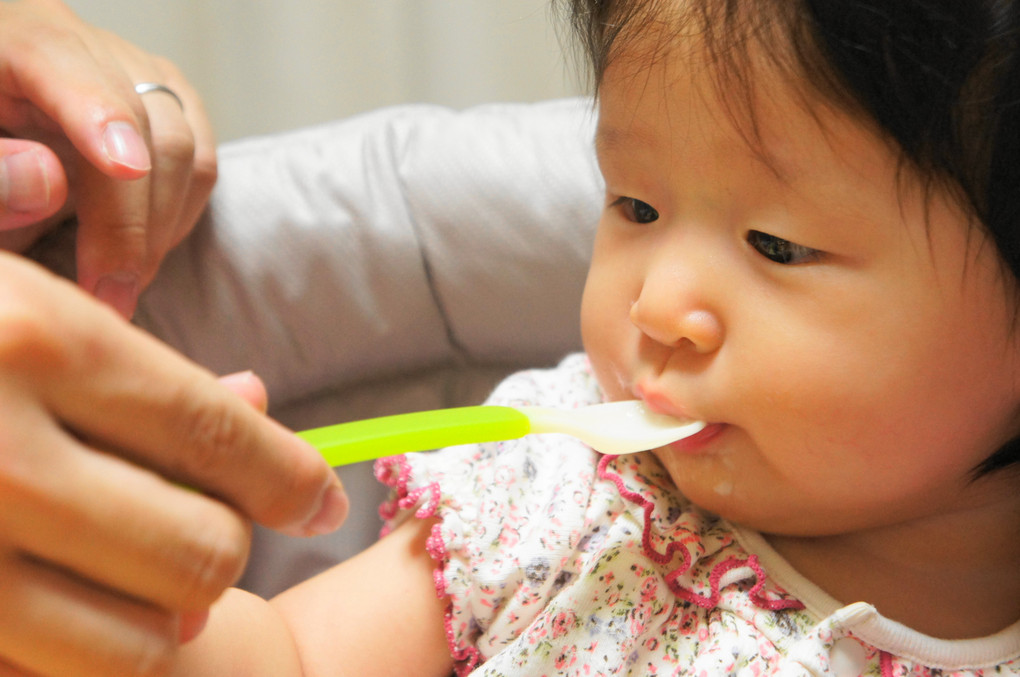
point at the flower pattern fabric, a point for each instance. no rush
(559, 561)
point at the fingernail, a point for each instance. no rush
(238, 380)
(248, 387)
(119, 291)
(125, 146)
(24, 184)
(331, 514)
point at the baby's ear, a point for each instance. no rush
(249, 387)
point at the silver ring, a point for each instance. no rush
(147, 87)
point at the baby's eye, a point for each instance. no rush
(779, 250)
(636, 210)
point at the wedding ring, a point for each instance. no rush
(147, 87)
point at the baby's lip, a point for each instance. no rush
(662, 404)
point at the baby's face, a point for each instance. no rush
(849, 342)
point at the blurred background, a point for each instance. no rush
(265, 66)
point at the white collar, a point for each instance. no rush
(865, 622)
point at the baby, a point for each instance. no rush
(810, 241)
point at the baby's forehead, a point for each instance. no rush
(751, 50)
(771, 114)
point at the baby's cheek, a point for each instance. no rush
(612, 375)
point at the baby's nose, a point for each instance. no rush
(677, 320)
(697, 328)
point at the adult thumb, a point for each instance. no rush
(33, 185)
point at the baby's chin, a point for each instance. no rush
(707, 487)
(711, 485)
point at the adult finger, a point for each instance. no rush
(185, 163)
(112, 239)
(122, 389)
(73, 86)
(146, 538)
(58, 79)
(66, 626)
(33, 185)
(205, 162)
(127, 228)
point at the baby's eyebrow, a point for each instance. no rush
(615, 139)
(611, 140)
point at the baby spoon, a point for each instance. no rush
(611, 428)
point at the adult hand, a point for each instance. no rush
(137, 169)
(105, 564)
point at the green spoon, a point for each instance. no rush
(611, 428)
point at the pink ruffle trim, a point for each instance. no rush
(720, 570)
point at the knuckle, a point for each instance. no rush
(211, 435)
(215, 560)
(48, 44)
(47, 40)
(27, 340)
(175, 145)
(123, 243)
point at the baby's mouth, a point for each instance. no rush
(662, 404)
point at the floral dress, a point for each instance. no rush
(559, 561)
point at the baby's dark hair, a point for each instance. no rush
(941, 78)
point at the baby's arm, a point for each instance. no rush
(374, 614)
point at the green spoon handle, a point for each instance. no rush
(419, 431)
